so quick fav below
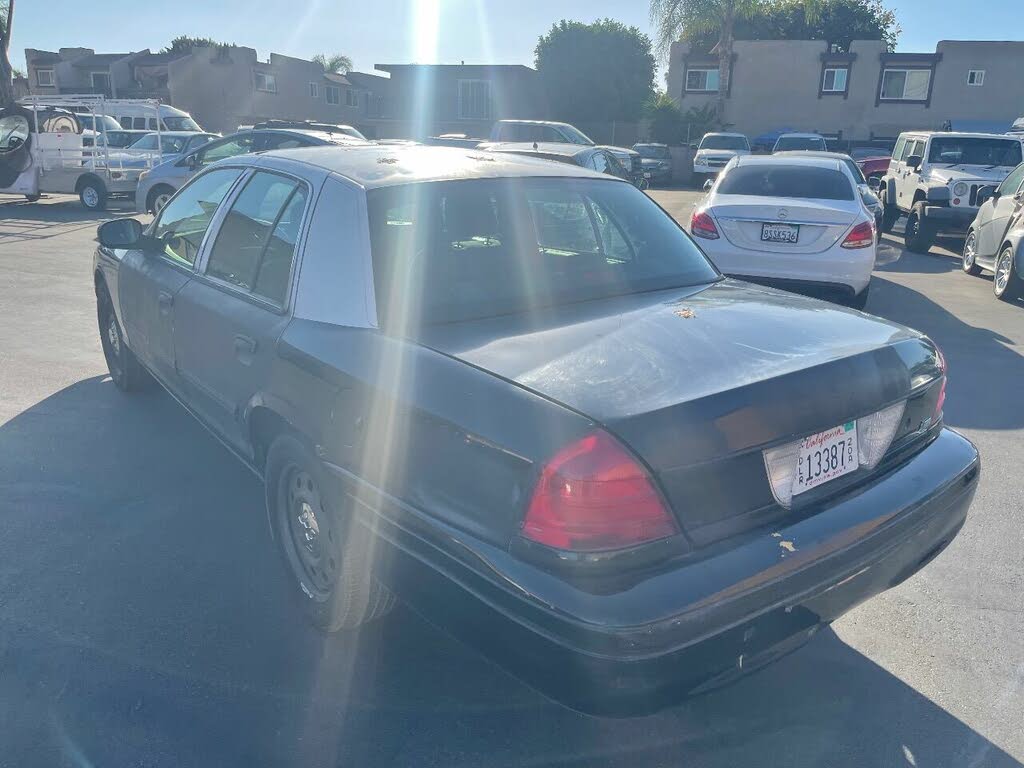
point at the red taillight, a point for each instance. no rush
(860, 236)
(941, 400)
(594, 495)
(702, 225)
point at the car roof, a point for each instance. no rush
(649, 144)
(959, 135)
(727, 133)
(804, 159)
(185, 134)
(800, 135)
(547, 147)
(534, 122)
(812, 153)
(373, 166)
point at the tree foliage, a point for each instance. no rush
(600, 71)
(666, 119)
(185, 43)
(339, 63)
(6, 71)
(838, 22)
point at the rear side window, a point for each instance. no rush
(776, 180)
(255, 247)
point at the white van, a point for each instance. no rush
(1018, 127)
(141, 118)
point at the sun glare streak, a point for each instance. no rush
(426, 21)
(300, 25)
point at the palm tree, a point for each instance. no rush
(673, 17)
(339, 63)
(6, 71)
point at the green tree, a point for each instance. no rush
(599, 71)
(676, 19)
(6, 70)
(666, 119)
(838, 22)
(339, 63)
(185, 43)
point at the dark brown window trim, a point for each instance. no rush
(927, 102)
(845, 93)
(703, 61)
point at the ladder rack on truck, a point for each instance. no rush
(62, 163)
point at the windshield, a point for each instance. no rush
(185, 123)
(967, 150)
(461, 249)
(575, 136)
(167, 144)
(777, 180)
(652, 152)
(724, 142)
(810, 143)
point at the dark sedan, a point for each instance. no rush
(516, 395)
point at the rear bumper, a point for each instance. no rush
(946, 219)
(715, 616)
(705, 168)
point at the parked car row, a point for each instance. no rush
(525, 401)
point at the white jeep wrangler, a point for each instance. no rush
(934, 178)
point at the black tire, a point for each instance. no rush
(156, 194)
(968, 260)
(860, 300)
(32, 198)
(919, 234)
(125, 370)
(93, 194)
(1007, 285)
(890, 213)
(328, 555)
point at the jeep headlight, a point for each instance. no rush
(960, 189)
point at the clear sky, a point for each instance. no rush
(403, 31)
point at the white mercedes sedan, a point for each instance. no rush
(792, 222)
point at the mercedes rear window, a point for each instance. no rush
(799, 181)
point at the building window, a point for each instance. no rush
(100, 82)
(702, 80)
(834, 80)
(314, 90)
(905, 84)
(474, 99)
(332, 94)
(44, 77)
(976, 77)
(351, 100)
(265, 82)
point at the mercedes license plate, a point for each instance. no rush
(780, 233)
(826, 456)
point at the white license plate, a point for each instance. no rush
(647, 174)
(780, 233)
(826, 456)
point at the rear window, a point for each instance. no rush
(771, 180)
(788, 143)
(456, 250)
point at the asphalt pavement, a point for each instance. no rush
(145, 619)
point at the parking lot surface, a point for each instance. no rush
(145, 620)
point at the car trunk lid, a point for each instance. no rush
(816, 224)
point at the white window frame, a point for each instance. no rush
(903, 96)
(462, 113)
(269, 81)
(351, 99)
(976, 77)
(836, 71)
(328, 90)
(92, 79)
(49, 78)
(708, 71)
(314, 90)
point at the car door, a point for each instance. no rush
(995, 215)
(149, 281)
(231, 314)
(906, 177)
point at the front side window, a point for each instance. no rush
(332, 94)
(256, 243)
(967, 150)
(454, 250)
(600, 162)
(777, 180)
(901, 145)
(702, 80)
(264, 81)
(474, 99)
(183, 222)
(905, 84)
(231, 147)
(1012, 182)
(834, 80)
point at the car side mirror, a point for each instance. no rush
(120, 233)
(914, 162)
(986, 193)
(693, 145)
(875, 183)
(708, 184)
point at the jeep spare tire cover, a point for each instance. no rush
(15, 144)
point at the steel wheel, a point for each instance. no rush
(90, 197)
(1007, 285)
(159, 201)
(310, 536)
(110, 335)
(970, 255)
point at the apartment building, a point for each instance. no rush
(861, 94)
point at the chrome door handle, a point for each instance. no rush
(244, 345)
(166, 301)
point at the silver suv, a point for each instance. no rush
(934, 178)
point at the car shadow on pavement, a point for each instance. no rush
(144, 620)
(35, 221)
(985, 368)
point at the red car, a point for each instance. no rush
(872, 162)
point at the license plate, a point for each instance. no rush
(826, 456)
(780, 233)
(647, 174)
